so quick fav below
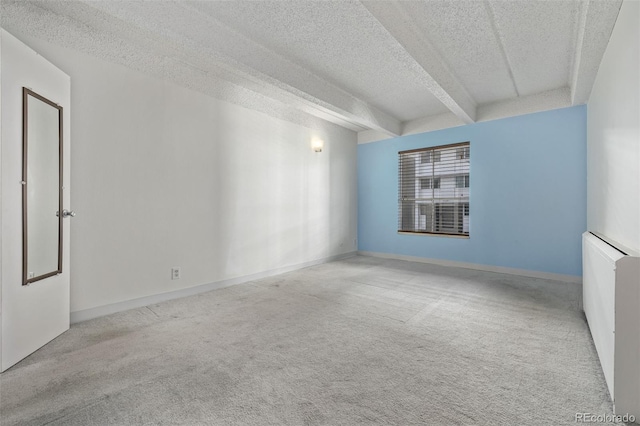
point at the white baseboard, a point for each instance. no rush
(488, 268)
(100, 311)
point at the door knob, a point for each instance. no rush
(67, 213)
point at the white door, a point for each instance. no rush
(35, 313)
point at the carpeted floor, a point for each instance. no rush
(359, 341)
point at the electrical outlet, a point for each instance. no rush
(31, 275)
(355, 242)
(175, 273)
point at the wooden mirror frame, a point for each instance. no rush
(25, 139)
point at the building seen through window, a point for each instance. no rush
(434, 190)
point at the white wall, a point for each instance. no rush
(163, 176)
(613, 177)
(613, 134)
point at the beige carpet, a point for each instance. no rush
(359, 341)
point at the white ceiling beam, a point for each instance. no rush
(396, 18)
(243, 73)
(596, 20)
(249, 64)
(500, 41)
(528, 104)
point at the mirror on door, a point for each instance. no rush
(41, 187)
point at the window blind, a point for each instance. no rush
(433, 193)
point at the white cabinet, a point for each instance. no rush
(611, 300)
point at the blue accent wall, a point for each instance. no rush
(527, 193)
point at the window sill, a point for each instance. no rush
(434, 234)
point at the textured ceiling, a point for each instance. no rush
(340, 42)
(379, 68)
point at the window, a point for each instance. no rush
(430, 156)
(429, 183)
(434, 190)
(463, 153)
(462, 181)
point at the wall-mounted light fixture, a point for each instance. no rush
(317, 145)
